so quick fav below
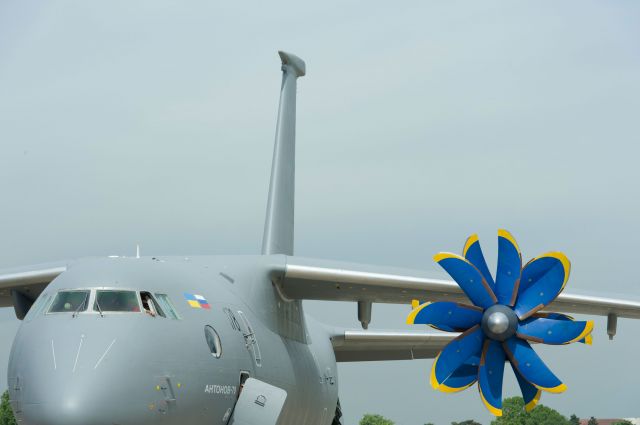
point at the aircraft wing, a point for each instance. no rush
(20, 287)
(304, 278)
(370, 345)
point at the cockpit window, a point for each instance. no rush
(116, 301)
(150, 305)
(165, 305)
(70, 302)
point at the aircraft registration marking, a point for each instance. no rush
(220, 389)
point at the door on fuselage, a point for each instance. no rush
(244, 345)
(259, 404)
(236, 355)
(250, 338)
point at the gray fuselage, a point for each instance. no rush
(131, 368)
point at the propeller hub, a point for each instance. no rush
(499, 322)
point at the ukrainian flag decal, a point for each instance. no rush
(196, 301)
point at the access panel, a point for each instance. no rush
(259, 404)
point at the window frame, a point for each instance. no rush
(107, 312)
(217, 341)
(54, 297)
(171, 311)
(154, 306)
(93, 293)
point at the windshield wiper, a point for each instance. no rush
(75, 313)
(98, 305)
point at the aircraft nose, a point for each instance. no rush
(76, 378)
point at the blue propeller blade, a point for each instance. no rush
(490, 375)
(531, 367)
(468, 278)
(553, 315)
(559, 316)
(473, 356)
(463, 377)
(530, 394)
(535, 269)
(454, 355)
(552, 331)
(509, 268)
(543, 280)
(446, 316)
(473, 253)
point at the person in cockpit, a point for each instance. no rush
(146, 304)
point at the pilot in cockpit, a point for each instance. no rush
(147, 304)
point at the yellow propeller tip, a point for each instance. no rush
(470, 241)
(443, 256)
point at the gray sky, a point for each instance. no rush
(418, 124)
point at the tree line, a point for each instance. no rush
(6, 414)
(513, 413)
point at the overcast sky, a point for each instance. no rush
(419, 122)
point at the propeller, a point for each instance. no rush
(502, 322)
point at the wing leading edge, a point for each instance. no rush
(20, 287)
(304, 278)
(370, 345)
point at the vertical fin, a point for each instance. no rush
(278, 226)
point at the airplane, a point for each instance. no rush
(215, 339)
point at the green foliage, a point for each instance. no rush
(513, 413)
(467, 422)
(370, 419)
(592, 421)
(6, 414)
(623, 422)
(574, 420)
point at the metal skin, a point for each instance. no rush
(499, 322)
(127, 368)
(134, 369)
(278, 226)
(131, 368)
